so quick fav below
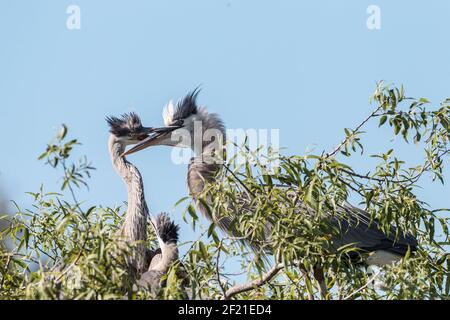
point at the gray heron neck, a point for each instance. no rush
(134, 228)
(169, 254)
(202, 169)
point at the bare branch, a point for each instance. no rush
(248, 286)
(320, 277)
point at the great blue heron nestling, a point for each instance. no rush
(127, 130)
(167, 235)
(355, 225)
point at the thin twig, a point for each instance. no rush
(339, 147)
(8, 261)
(219, 249)
(25, 257)
(294, 284)
(78, 257)
(192, 245)
(364, 286)
(66, 270)
(70, 187)
(338, 287)
(249, 192)
(320, 277)
(305, 274)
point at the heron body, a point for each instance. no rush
(355, 226)
(125, 131)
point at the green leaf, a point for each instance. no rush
(308, 196)
(43, 155)
(407, 254)
(26, 235)
(191, 211)
(203, 250)
(211, 229)
(180, 201)
(397, 128)
(20, 263)
(62, 133)
(382, 120)
(90, 210)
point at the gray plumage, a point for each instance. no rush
(167, 234)
(187, 106)
(127, 125)
(128, 130)
(352, 223)
(356, 227)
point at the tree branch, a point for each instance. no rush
(219, 280)
(364, 286)
(265, 278)
(305, 274)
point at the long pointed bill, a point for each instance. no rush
(158, 134)
(149, 130)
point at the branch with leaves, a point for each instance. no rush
(56, 230)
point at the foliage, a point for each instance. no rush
(318, 184)
(62, 251)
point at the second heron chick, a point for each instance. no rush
(167, 235)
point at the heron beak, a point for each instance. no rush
(148, 130)
(154, 139)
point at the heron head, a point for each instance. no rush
(128, 128)
(185, 123)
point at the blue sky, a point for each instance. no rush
(304, 67)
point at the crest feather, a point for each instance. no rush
(126, 124)
(166, 228)
(185, 108)
(168, 113)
